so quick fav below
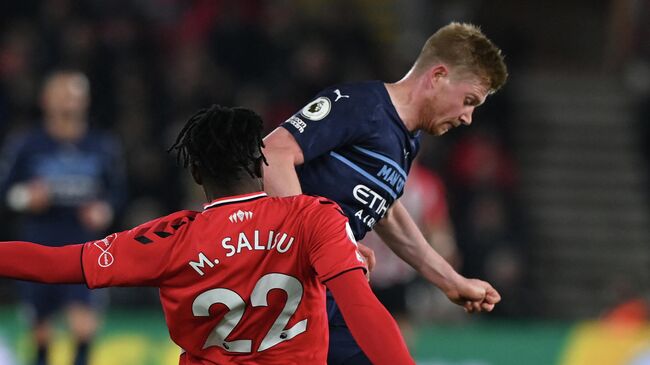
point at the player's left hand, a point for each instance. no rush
(368, 254)
(474, 295)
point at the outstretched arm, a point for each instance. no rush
(34, 262)
(370, 323)
(402, 235)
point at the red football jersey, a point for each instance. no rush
(240, 282)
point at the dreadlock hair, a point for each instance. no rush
(222, 142)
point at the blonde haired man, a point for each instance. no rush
(355, 144)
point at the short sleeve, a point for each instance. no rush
(332, 248)
(326, 123)
(138, 257)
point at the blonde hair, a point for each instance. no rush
(466, 49)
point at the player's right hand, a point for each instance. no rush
(473, 295)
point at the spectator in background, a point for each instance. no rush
(483, 175)
(629, 49)
(65, 181)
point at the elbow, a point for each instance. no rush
(280, 147)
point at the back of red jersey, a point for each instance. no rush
(240, 282)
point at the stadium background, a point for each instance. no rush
(548, 189)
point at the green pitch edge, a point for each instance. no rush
(492, 343)
(141, 337)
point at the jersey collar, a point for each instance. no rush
(234, 199)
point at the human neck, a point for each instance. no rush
(244, 186)
(68, 131)
(403, 95)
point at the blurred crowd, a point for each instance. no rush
(152, 63)
(628, 54)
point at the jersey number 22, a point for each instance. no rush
(236, 305)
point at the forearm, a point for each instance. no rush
(401, 234)
(34, 262)
(370, 323)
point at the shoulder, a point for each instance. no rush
(28, 136)
(19, 141)
(370, 89)
(318, 204)
(163, 227)
(304, 201)
(182, 214)
(174, 220)
(352, 98)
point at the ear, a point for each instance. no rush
(196, 175)
(437, 73)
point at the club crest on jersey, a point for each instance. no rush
(317, 109)
(106, 258)
(240, 216)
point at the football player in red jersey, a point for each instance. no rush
(241, 282)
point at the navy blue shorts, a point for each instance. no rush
(343, 349)
(46, 299)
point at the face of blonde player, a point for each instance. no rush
(450, 100)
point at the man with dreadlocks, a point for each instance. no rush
(242, 281)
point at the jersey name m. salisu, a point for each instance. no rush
(241, 281)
